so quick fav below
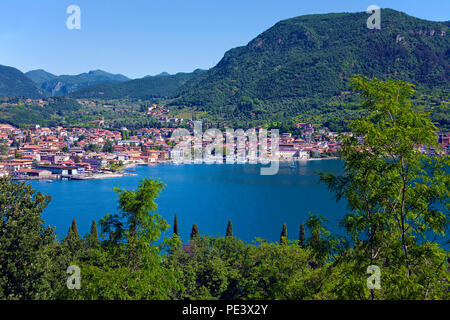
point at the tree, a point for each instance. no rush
(135, 224)
(15, 144)
(396, 191)
(320, 240)
(175, 226)
(301, 239)
(32, 266)
(92, 147)
(92, 239)
(73, 240)
(229, 232)
(125, 134)
(194, 233)
(4, 148)
(108, 147)
(74, 228)
(130, 266)
(284, 235)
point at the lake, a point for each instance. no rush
(208, 195)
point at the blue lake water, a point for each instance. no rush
(208, 195)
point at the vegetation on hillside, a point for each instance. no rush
(68, 112)
(397, 197)
(299, 69)
(61, 85)
(146, 88)
(13, 83)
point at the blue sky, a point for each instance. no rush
(142, 37)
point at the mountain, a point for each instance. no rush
(40, 76)
(14, 83)
(302, 65)
(163, 74)
(161, 85)
(61, 85)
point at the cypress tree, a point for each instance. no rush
(302, 235)
(94, 234)
(229, 229)
(283, 236)
(75, 229)
(194, 233)
(175, 226)
(73, 240)
(69, 233)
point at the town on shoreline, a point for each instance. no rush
(53, 153)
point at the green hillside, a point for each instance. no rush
(40, 76)
(13, 83)
(148, 87)
(61, 85)
(299, 68)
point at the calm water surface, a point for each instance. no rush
(208, 195)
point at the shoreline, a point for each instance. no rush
(120, 174)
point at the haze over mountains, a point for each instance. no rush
(161, 85)
(93, 84)
(61, 85)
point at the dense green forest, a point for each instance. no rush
(299, 69)
(397, 197)
(296, 71)
(68, 112)
(13, 83)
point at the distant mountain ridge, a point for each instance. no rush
(13, 83)
(64, 84)
(161, 85)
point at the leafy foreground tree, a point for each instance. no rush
(32, 263)
(129, 264)
(398, 196)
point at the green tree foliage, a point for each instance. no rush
(129, 266)
(61, 85)
(299, 70)
(125, 134)
(397, 199)
(73, 241)
(229, 232)
(284, 235)
(32, 265)
(175, 226)
(301, 239)
(397, 194)
(4, 147)
(74, 228)
(108, 147)
(93, 239)
(194, 233)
